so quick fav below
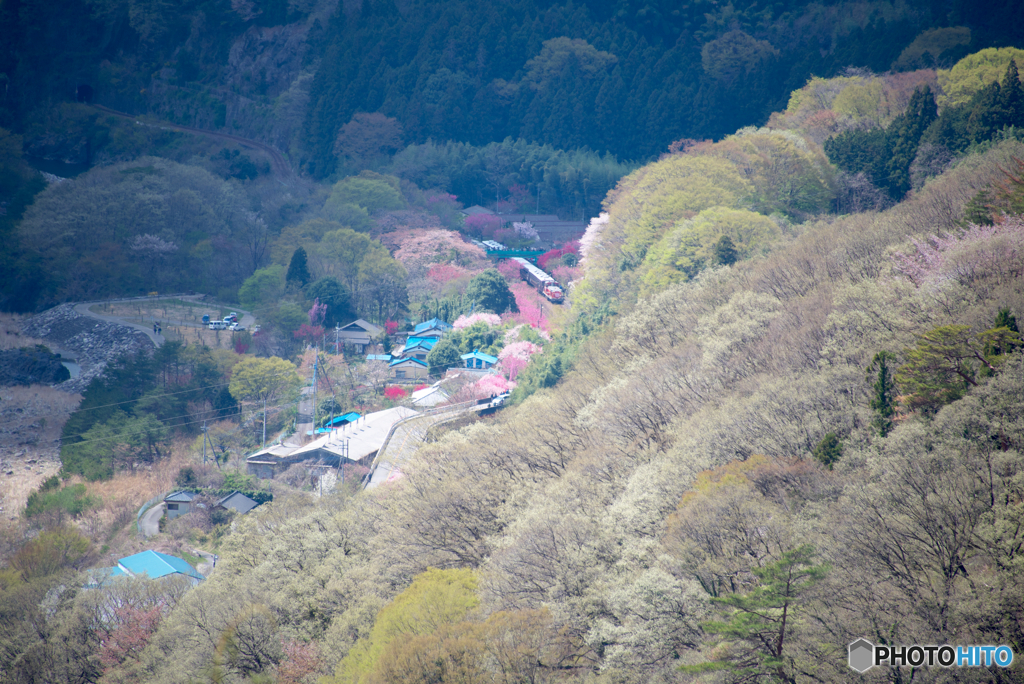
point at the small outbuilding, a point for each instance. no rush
(178, 504)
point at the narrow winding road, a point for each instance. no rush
(282, 169)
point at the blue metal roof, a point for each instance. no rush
(432, 323)
(411, 358)
(480, 355)
(378, 357)
(180, 497)
(427, 342)
(156, 564)
(347, 418)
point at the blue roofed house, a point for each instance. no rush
(477, 360)
(434, 328)
(156, 565)
(417, 348)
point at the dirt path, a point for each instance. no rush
(282, 169)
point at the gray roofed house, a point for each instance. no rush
(476, 209)
(238, 502)
(359, 333)
(178, 504)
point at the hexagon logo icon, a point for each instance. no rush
(862, 655)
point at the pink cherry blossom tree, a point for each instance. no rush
(491, 385)
(592, 236)
(464, 321)
(967, 255)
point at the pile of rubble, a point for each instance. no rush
(92, 342)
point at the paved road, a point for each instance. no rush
(149, 524)
(248, 320)
(208, 566)
(408, 435)
(83, 310)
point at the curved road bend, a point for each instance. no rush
(248, 320)
(280, 165)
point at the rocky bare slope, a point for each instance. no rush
(92, 342)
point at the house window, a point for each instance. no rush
(399, 374)
(172, 507)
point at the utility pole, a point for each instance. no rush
(337, 333)
(264, 423)
(204, 442)
(315, 359)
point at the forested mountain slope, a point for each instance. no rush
(611, 75)
(726, 430)
(784, 360)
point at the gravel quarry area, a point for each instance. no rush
(90, 341)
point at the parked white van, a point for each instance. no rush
(218, 325)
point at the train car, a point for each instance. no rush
(537, 278)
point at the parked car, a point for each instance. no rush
(231, 318)
(237, 327)
(218, 325)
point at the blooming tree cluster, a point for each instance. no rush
(526, 231)
(530, 306)
(509, 269)
(445, 273)
(310, 333)
(395, 393)
(572, 247)
(482, 225)
(317, 313)
(592, 236)
(466, 321)
(490, 385)
(132, 631)
(514, 357)
(301, 662)
(566, 274)
(977, 251)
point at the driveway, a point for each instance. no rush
(149, 523)
(208, 564)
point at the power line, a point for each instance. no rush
(143, 432)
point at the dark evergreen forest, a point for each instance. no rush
(619, 76)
